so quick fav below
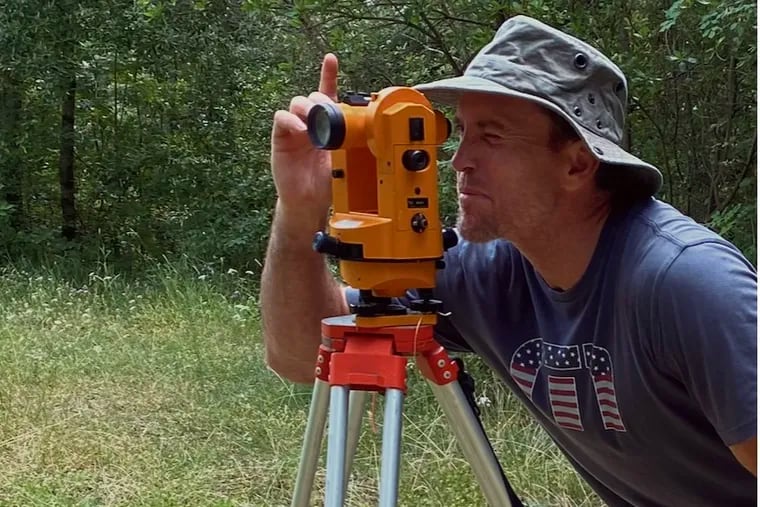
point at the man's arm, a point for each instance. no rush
(708, 310)
(746, 453)
(297, 292)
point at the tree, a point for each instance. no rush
(142, 127)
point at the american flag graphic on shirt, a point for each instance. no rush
(599, 363)
(562, 362)
(525, 364)
(563, 395)
(563, 398)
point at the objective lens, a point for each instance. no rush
(322, 127)
(326, 126)
(415, 160)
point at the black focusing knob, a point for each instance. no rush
(415, 160)
(450, 238)
(419, 222)
(325, 244)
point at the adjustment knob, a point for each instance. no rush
(325, 244)
(450, 238)
(419, 222)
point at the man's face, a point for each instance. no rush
(507, 174)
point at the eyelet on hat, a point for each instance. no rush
(599, 124)
(580, 61)
(577, 111)
(598, 150)
(591, 98)
(619, 87)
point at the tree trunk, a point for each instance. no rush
(66, 162)
(11, 168)
(12, 172)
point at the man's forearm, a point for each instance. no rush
(297, 292)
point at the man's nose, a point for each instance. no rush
(462, 160)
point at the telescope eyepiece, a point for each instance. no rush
(326, 126)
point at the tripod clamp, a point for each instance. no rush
(373, 306)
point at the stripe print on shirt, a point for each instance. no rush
(563, 392)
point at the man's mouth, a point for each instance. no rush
(471, 192)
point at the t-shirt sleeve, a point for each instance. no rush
(707, 311)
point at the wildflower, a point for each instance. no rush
(483, 401)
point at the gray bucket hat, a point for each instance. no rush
(530, 60)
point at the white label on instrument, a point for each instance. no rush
(347, 224)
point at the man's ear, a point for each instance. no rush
(581, 167)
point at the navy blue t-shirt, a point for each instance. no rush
(643, 373)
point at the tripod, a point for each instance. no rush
(354, 360)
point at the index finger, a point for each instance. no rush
(328, 79)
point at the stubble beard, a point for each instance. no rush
(476, 229)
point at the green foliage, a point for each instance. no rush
(174, 103)
(737, 224)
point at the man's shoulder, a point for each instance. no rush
(667, 225)
(661, 245)
(655, 233)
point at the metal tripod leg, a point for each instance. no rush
(335, 487)
(391, 456)
(473, 442)
(356, 403)
(312, 444)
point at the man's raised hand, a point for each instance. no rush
(301, 172)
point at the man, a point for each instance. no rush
(628, 330)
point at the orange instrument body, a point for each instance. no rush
(385, 218)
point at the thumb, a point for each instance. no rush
(286, 124)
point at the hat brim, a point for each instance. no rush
(448, 92)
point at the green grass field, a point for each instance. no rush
(154, 392)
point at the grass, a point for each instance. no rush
(153, 392)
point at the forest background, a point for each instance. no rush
(135, 207)
(139, 130)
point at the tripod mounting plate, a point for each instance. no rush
(374, 358)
